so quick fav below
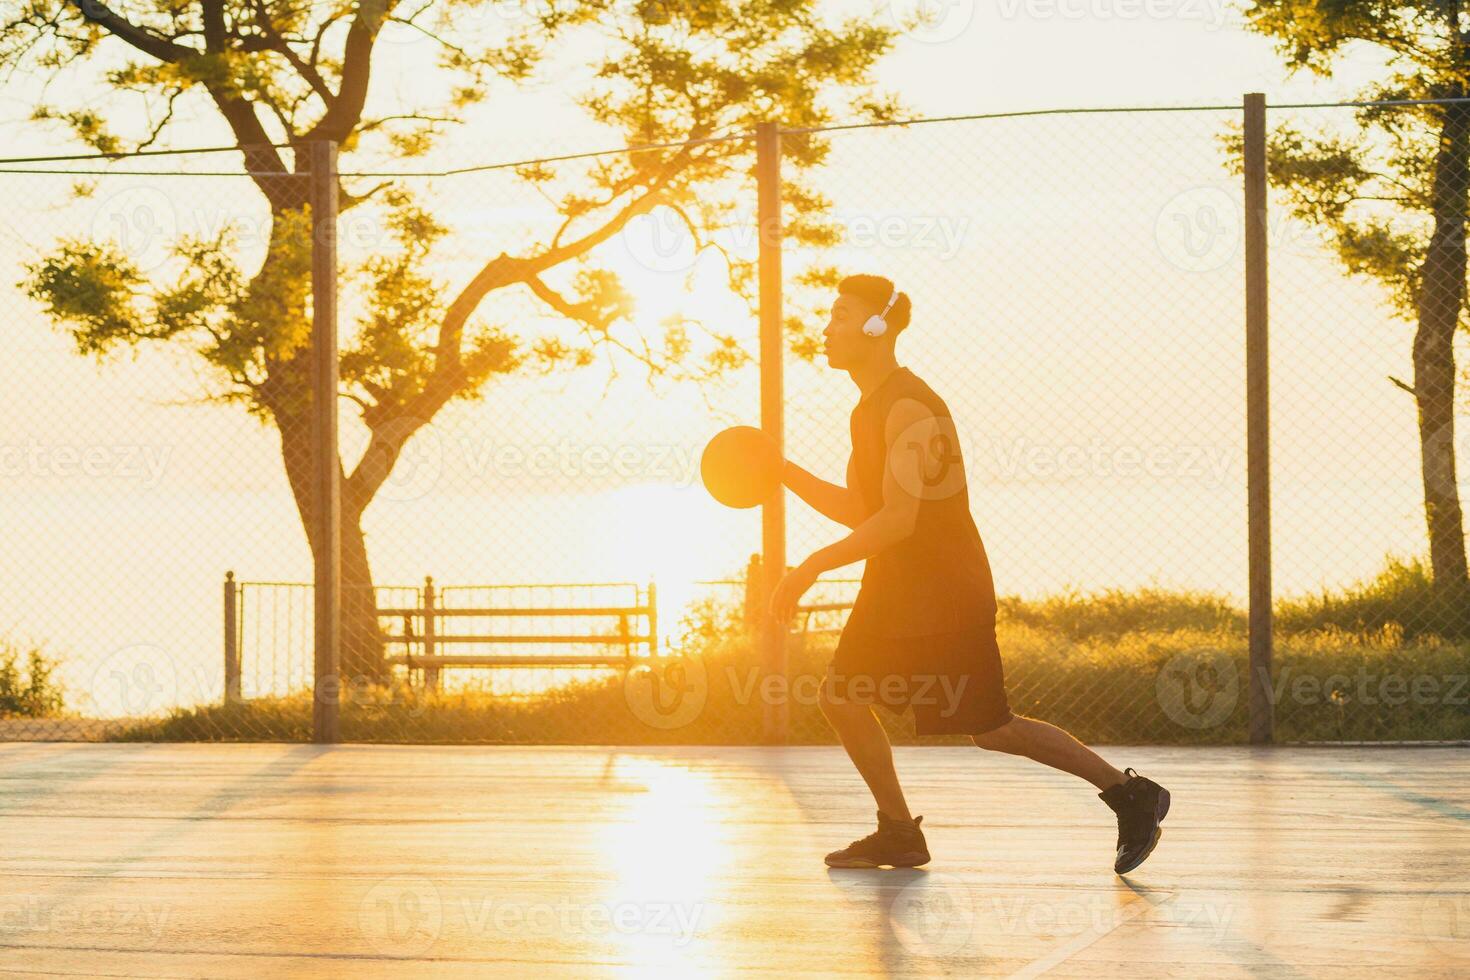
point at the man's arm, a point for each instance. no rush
(908, 434)
(840, 504)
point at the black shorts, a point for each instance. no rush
(953, 682)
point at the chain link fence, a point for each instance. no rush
(1078, 290)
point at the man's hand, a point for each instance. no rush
(789, 592)
(841, 504)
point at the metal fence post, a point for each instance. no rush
(772, 349)
(232, 641)
(752, 595)
(431, 605)
(652, 618)
(326, 700)
(1258, 433)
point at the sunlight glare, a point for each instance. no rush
(666, 851)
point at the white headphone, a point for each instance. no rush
(876, 325)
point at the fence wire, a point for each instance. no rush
(1078, 295)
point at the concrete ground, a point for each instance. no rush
(293, 860)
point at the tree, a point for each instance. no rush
(1394, 203)
(282, 75)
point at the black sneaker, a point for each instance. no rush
(1140, 805)
(895, 844)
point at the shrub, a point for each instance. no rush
(1377, 661)
(29, 693)
(1402, 595)
(1112, 613)
(1330, 685)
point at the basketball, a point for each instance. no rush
(741, 467)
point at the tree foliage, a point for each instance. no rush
(699, 75)
(1370, 185)
(1393, 195)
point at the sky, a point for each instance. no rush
(1077, 290)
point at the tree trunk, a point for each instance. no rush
(362, 639)
(362, 651)
(1441, 299)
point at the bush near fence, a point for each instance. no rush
(1113, 667)
(28, 688)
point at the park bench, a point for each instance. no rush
(431, 635)
(444, 627)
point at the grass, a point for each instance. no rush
(1147, 666)
(1113, 613)
(1402, 596)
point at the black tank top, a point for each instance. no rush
(937, 580)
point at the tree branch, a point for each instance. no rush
(344, 111)
(162, 48)
(273, 41)
(581, 312)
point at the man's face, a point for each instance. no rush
(845, 343)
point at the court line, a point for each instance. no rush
(1443, 807)
(59, 771)
(283, 765)
(1140, 906)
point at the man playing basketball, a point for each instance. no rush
(921, 634)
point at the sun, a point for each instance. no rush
(659, 267)
(654, 532)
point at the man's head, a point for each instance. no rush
(858, 298)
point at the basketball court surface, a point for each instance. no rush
(375, 861)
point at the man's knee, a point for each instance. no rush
(827, 699)
(1006, 738)
(834, 706)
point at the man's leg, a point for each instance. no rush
(1050, 746)
(867, 746)
(1139, 803)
